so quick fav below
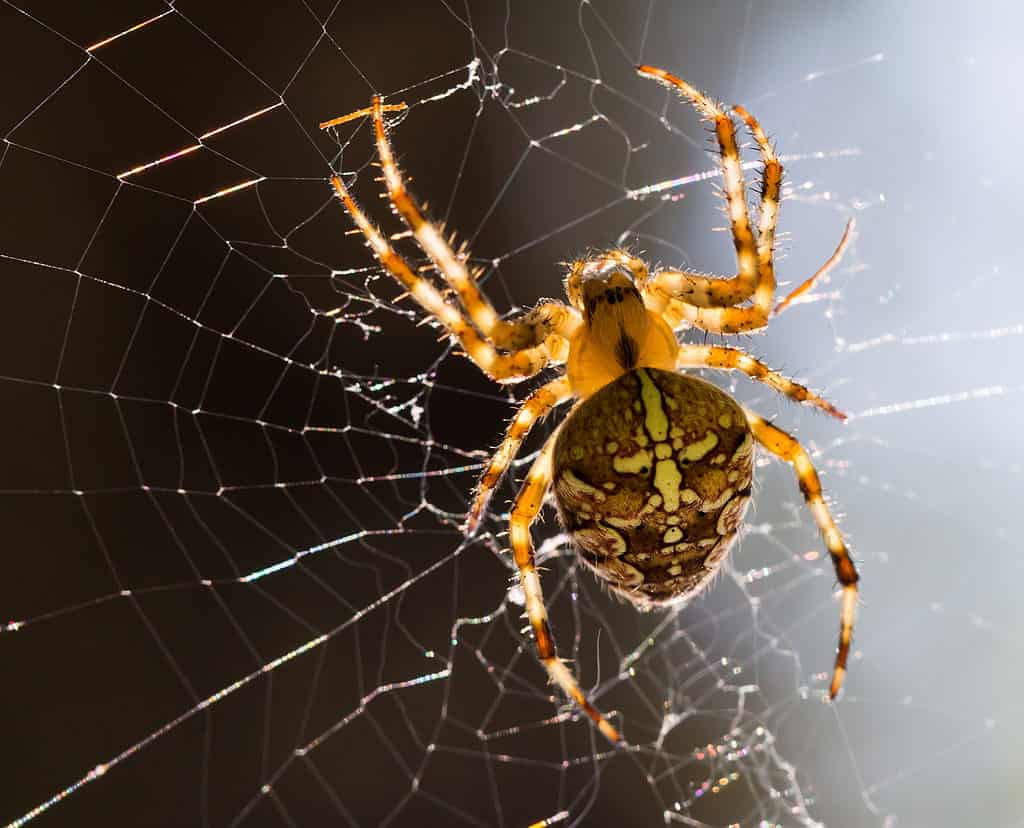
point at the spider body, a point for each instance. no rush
(652, 477)
(651, 469)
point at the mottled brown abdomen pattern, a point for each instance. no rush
(652, 476)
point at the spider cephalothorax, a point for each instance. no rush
(652, 468)
(619, 332)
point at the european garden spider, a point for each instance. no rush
(652, 468)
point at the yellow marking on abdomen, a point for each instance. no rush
(655, 420)
(666, 480)
(696, 451)
(633, 464)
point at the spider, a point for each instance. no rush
(652, 468)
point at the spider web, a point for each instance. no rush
(234, 588)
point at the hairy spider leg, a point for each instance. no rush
(664, 295)
(768, 218)
(548, 321)
(534, 408)
(785, 447)
(831, 262)
(527, 506)
(733, 359)
(510, 367)
(703, 300)
(707, 302)
(770, 198)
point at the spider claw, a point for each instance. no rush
(842, 416)
(837, 683)
(824, 405)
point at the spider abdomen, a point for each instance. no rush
(652, 475)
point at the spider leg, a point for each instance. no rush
(501, 367)
(534, 408)
(708, 302)
(676, 294)
(755, 274)
(830, 263)
(785, 447)
(603, 262)
(698, 290)
(525, 510)
(549, 324)
(768, 218)
(729, 359)
(549, 320)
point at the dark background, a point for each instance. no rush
(180, 411)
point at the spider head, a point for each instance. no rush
(610, 278)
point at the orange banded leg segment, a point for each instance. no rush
(534, 408)
(715, 319)
(771, 195)
(676, 312)
(687, 298)
(549, 323)
(785, 447)
(715, 297)
(733, 359)
(699, 289)
(533, 329)
(677, 293)
(676, 290)
(747, 278)
(707, 302)
(705, 291)
(501, 367)
(831, 262)
(527, 506)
